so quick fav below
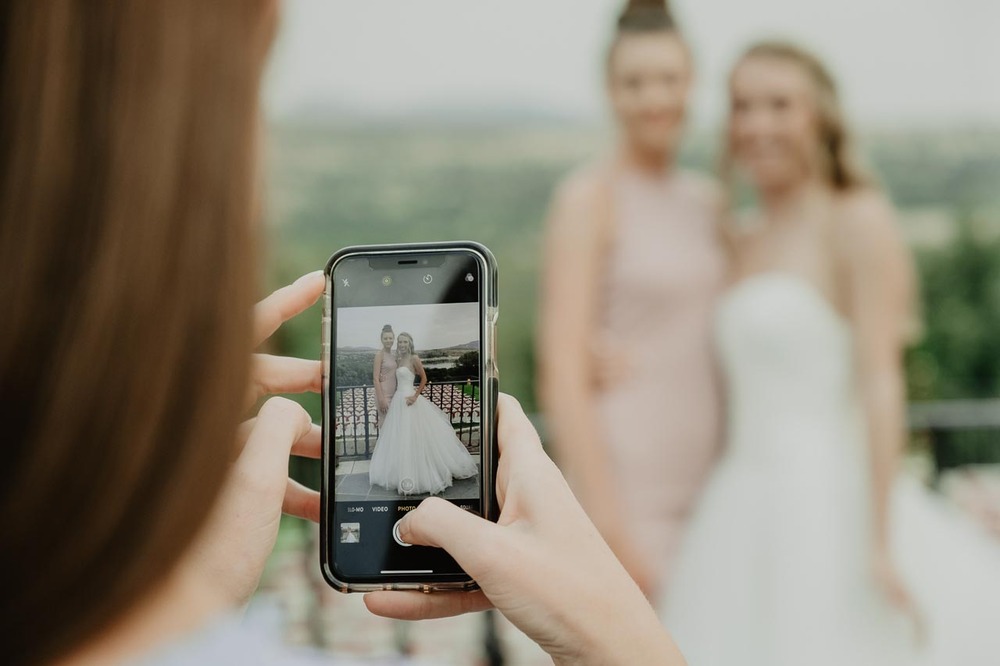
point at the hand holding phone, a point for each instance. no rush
(409, 401)
(543, 565)
(230, 554)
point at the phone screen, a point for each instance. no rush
(404, 406)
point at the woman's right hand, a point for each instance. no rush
(892, 585)
(543, 564)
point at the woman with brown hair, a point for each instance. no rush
(134, 507)
(384, 373)
(804, 548)
(631, 270)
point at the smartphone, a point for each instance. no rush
(410, 388)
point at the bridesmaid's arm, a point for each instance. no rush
(880, 285)
(376, 379)
(569, 315)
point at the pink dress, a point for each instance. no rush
(661, 410)
(387, 380)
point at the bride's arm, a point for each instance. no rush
(880, 286)
(418, 369)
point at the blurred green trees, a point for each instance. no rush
(958, 356)
(335, 186)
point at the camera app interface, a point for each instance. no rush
(404, 405)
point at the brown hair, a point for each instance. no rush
(127, 273)
(840, 165)
(642, 17)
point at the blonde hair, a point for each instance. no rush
(841, 168)
(409, 338)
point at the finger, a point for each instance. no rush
(301, 501)
(309, 445)
(282, 374)
(439, 523)
(515, 434)
(420, 606)
(280, 423)
(285, 303)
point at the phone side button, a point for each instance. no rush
(396, 537)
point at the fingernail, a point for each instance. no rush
(401, 532)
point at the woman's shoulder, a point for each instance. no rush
(583, 184)
(866, 221)
(866, 203)
(871, 242)
(574, 212)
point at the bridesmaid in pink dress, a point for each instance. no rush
(632, 270)
(384, 375)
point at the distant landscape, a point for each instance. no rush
(332, 186)
(354, 366)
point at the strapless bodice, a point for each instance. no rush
(404, 381)
(787, 356)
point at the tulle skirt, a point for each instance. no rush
(417, 450)
(774, 571)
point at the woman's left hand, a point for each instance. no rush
(412, 399)
(244, 527)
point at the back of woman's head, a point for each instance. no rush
(127, 272)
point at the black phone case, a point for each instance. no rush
(488, 371)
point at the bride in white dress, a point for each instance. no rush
(804, 550)
(417, 451)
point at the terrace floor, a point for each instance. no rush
(352, 485)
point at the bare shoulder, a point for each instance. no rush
(575, 212)
(872, 245)
(867, 223)
(581, 187)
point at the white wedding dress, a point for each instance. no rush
(774, 570)
(417, 451)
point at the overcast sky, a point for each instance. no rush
(909, 62)
(432, 326)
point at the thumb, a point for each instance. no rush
(439, 523)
